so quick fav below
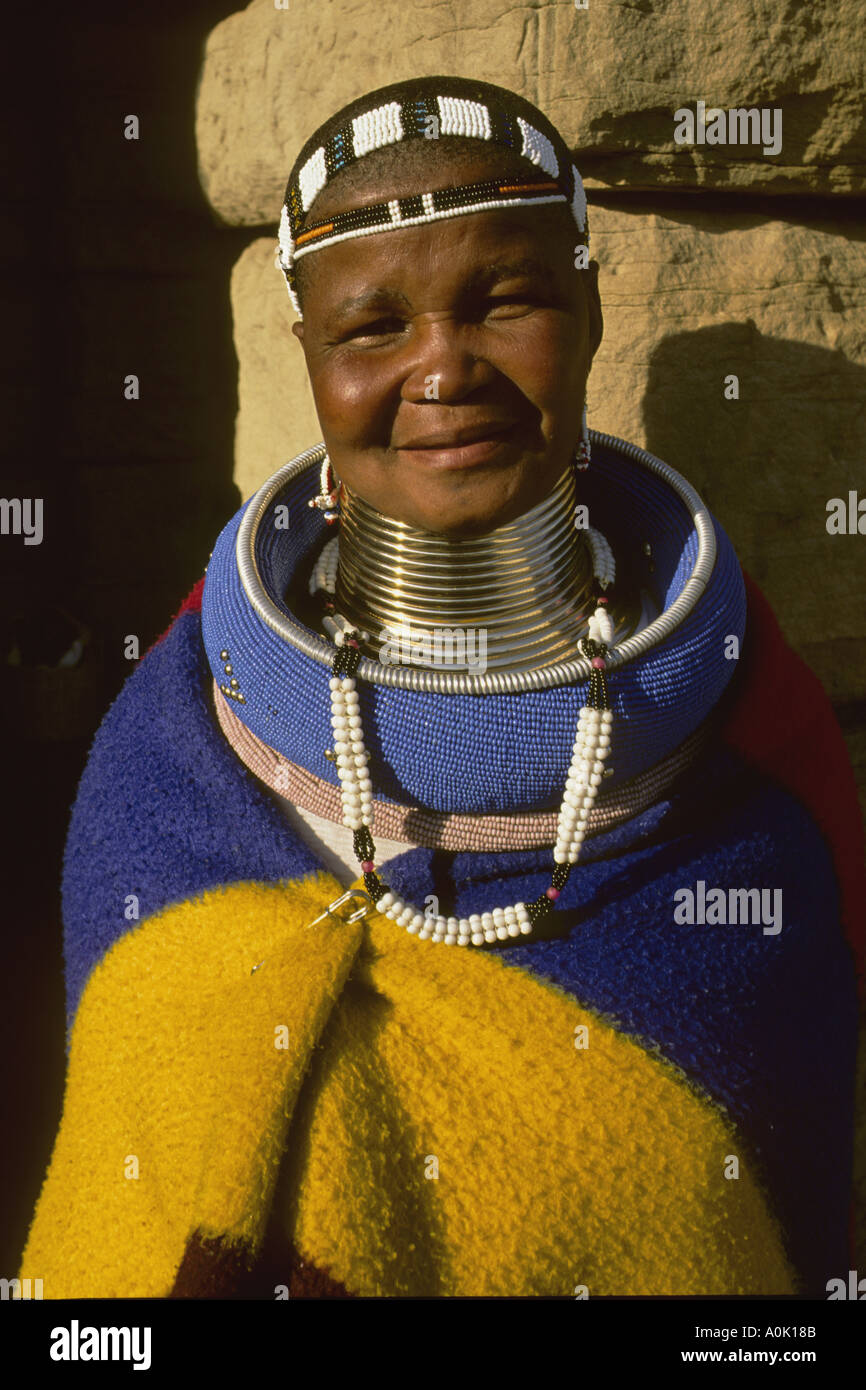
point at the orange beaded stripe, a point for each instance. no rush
(450, 830)
(316, 231)
(526, 187)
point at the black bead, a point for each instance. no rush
(374, 886)
(362, 844)
(539, 908)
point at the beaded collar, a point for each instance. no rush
(455, 749)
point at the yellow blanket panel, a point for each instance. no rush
(422, 1120)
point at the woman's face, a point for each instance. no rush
(477, 325)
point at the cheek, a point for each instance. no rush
(350, 394)
(545, 359)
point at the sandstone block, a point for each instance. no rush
(611, 77)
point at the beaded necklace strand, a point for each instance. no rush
(590, 750)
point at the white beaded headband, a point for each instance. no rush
(412, 118)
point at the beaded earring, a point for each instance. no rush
(328, 497)
(582, 453)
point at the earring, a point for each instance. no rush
(582, 453)
(328, 498)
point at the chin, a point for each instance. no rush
(468, 516)
(465, 530)
(461, 520)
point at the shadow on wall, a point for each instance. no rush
(767, 463)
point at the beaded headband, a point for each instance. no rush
(415, 113)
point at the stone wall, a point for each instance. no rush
(609, 77)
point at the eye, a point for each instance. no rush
(511, 304)
(384, 327)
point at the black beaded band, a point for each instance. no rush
(381, 216)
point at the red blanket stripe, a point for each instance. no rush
(191, 604)
(781, 721)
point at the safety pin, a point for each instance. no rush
(353, 916)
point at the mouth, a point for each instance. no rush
(464, 450)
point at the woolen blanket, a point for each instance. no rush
(628, 1102)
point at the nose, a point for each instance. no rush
(444, 361)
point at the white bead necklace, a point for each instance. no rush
(590, 750)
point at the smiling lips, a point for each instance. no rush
(460, 448)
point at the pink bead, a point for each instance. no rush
(368, 866)
(552, 893)
(351, 642)
(599, 663)
(601, 600)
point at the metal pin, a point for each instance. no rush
(353, 916)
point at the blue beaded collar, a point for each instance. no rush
(481, 753)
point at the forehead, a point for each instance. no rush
(445, 253)
(397, 171)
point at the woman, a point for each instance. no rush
(637, 1077)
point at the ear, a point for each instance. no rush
(298, 330)
(593, 302)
